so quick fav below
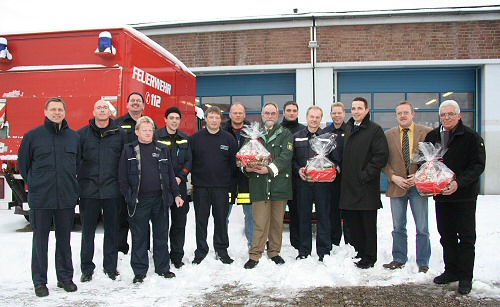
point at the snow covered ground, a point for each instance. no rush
(193, 281)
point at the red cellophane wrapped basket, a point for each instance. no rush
(319, 168)
(433, 176)
(253, 153)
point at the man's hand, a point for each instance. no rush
(401, 182)
(261, 170)
(302, 173)
(179, 202)
(450, 188)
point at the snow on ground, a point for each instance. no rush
(193, 281)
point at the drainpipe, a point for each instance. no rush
(313, 44)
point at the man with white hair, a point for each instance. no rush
(456, 206)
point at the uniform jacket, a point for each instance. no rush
(302, 152)
(128, 124)
(180, 151)
(101, 150)
(48, 161)
(239, 187)
(466, 157)
(293, 126)
(277, 184)
(365, 154)
(396, 164)
(129, 174)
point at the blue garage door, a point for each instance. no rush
(424, 88)
(253, 90)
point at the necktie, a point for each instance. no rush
(406, 150)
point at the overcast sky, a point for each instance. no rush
(41, 15)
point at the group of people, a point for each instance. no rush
(136, 175)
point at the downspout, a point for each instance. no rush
(313, 44)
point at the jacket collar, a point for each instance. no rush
(289, 124)
(55, 128)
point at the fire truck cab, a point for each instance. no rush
(81, 67)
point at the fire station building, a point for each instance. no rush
(425, 56)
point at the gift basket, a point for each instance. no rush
(319, 168)
(253, 153)
(432, 176)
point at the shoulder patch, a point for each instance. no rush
(290, 146)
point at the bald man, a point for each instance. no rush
(101, 145)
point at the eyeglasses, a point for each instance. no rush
(102, 108)
(450, 114)
(270, 113)
(135, 100)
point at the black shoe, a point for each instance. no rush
(167, 274)
(177, 263)
(68, 286)
(86, 277)
(138, 278)
(112, 275)
(464, 286)
(301, 257)
(278, 260)
(226, 259)
(250, 264)
(321, 257)
(365, 264)
(197, 260)
(445, 278)
(41, 290)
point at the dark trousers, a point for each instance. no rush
(123, 228)
(319, 194)
(89, 214)
(218, 200)
(293, 211)
(41, 222)
(178, 226)
(363, 228)
(337, 226)
(149, 208)
(456, 223)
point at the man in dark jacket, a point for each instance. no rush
(456, 206)
(135, 106)
(214, 166)
(312, 192)
(240, 192)
(101, 145)
(48, 162)
(177, 142)
(365, 154)
(148, 198)
(291, 122)
(338, 224)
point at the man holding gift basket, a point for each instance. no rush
(403, 141)
(315, 160)
(456, 206)
(270, 188)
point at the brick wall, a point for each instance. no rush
(388, 42)
(258, 47)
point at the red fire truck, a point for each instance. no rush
(82, 67)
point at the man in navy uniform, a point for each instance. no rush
(48, 162)
(177, 142)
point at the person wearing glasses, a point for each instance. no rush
(456, 206)
(48, 161)
(270, 189)
(102, 142)
(135, 106)
(400, 171)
